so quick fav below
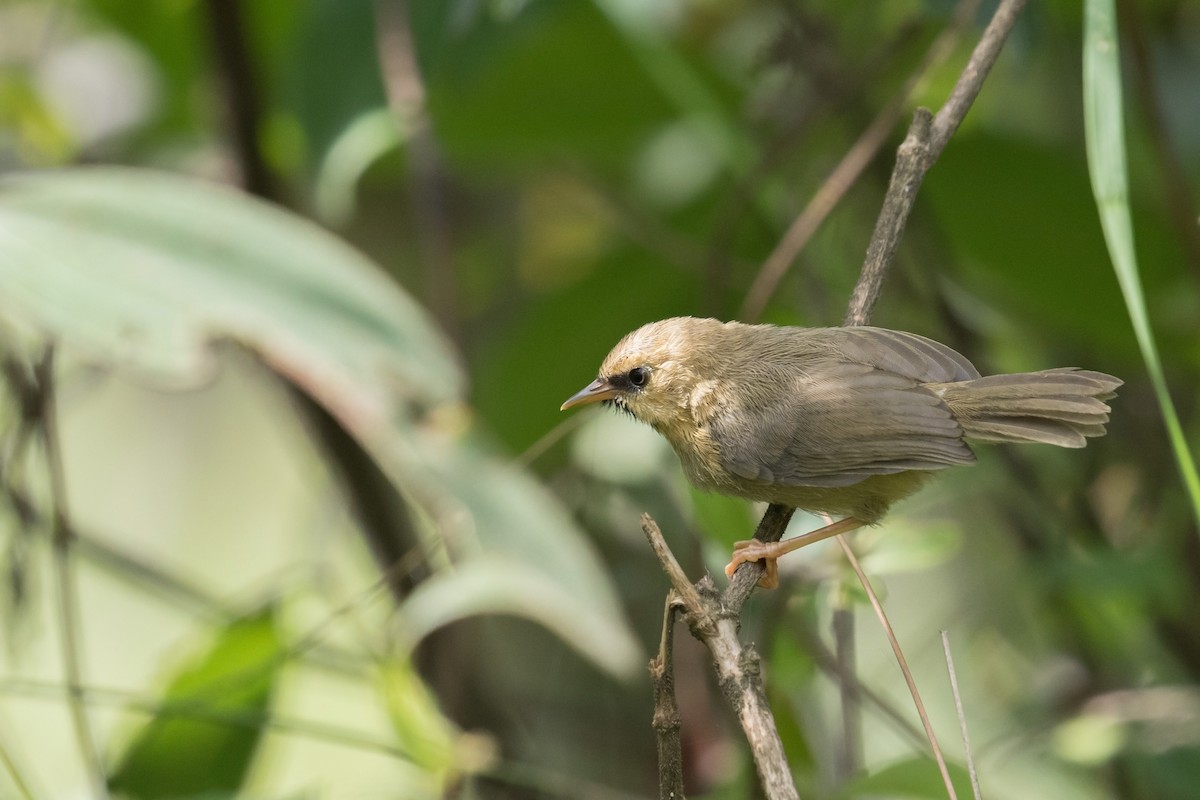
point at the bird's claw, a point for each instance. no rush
(755, 550)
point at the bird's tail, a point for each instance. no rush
(1055, 406)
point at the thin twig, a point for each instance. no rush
(666, 720)
(908, 678)
(770, 529)
(68, 600)
(849, 170)
(927, 137)
(737, 665)
(962, 718)
(240, 91)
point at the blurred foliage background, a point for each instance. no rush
(315, 539)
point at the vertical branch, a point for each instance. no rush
(68, 600)
(715, 623)
(738, 666)
(240, 89)
(771, 528)
(666, 721)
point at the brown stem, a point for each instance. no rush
(428, 184)
(927, 137)
(737, 665)
(713, 618)
(848, 171)
(240, 90)
(666, 721)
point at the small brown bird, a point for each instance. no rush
(844, 421)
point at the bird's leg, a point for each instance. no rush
(768, 552)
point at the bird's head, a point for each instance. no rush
(655, 372)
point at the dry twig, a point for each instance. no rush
(737, 667)
(666, 721)
(962, 718)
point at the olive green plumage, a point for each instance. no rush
(838, 420)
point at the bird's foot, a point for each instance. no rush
(768, 552)
(755, 550)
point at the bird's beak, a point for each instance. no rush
(594, 392)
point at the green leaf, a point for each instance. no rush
(442, 751)
(512, 86)
(150, 272)
(204, 737)
(723, 519)
(521, 554)
(1104, 126)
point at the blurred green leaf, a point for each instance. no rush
(912, 779)
(432, 741)
(149, 271)
(203, 739)
(723, 519)
(522, 555)
(506, 86)
(332, 75)
(910, 548)
(1048, 245)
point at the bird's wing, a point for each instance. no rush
(857, 410)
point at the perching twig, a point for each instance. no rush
(714, 621)
(962, 718)
(737, 666)
(666, 721)
(770, 529)
(240, 92)
(908, 678)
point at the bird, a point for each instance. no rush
(838, 421)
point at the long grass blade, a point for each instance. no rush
(1105, 133)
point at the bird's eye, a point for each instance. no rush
(638, 376)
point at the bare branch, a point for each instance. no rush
(738, 667)
(770, 529)
(927, 137)
(666, 721)
(848, 170)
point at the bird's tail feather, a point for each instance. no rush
(1056, 406)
